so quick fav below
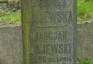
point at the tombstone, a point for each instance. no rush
(49, 31)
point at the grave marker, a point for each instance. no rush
(49, 31)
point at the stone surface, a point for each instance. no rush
(10, 44)
(53, 31)
(85, 40)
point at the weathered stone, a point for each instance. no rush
(85, 40)
(84, 45)
(49, 31)
(10, 44)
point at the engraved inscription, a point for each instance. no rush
(52, 48)
(52, 32)
(55, 17)
(45, 59)
(49, 35)
(52, 53)
(49, 4)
